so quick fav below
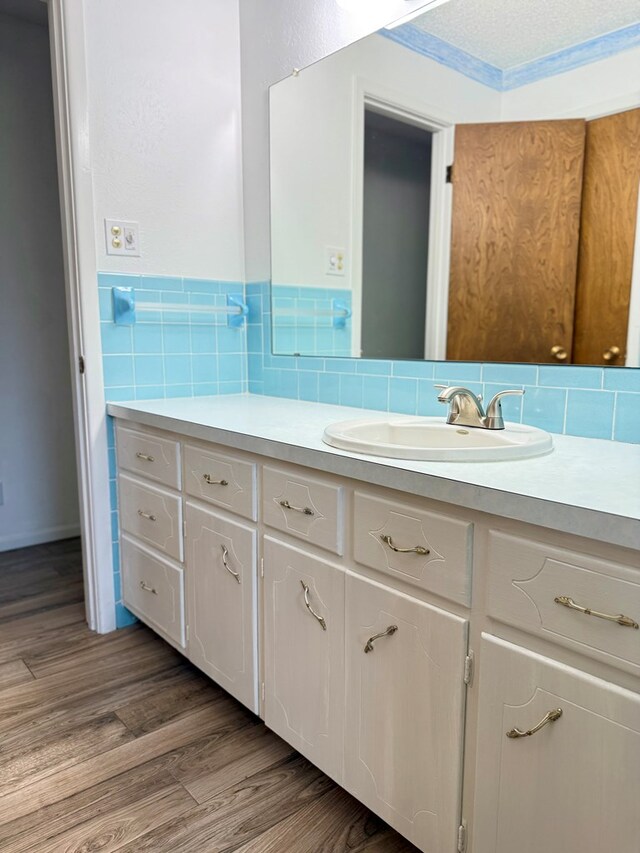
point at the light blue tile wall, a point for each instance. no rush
(169, 355)
(303, 321)
(582, 401)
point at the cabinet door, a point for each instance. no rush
(405, 711)
(221, 602)
(572, 786)
(304, 653)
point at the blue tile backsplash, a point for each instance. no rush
(172, 355)
(583, 401)
(165, 358)
(304, 320)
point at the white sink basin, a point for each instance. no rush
(431, 439)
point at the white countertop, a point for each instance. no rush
(588, 487)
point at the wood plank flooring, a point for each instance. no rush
(116, 743)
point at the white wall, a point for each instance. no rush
(313, 139)
(610, 85)
(37, 460)
(165, 133)
(276, 37)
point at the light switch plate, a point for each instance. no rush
(335, 261)
(122, 238)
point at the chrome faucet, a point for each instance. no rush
(465, 409)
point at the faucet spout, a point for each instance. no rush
(465, 409)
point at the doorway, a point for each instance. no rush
(396, 202)
(38, 472)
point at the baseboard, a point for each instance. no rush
(37, 537)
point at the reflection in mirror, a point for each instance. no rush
(464, 186)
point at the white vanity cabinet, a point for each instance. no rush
(404, 711)
(573, 785)
(395, 640)
(221, 601)
(304, 653)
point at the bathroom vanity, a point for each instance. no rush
(455, 644)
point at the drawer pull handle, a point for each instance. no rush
(225, 554)
(146, 457)
(369, 644)
(211, 482)
(305, 510)
(417, 549)
(146, 588)
(149, 516)
(551, 717)
(625, 621)
(307, 604)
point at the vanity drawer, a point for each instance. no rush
(306, 508)
(151, 514)
(153, 589)
(221, 480)
(147, 454)
(526, 577)
(421, 547)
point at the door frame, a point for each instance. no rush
(71, 116)
(399, 105)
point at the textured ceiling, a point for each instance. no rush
(508, 33)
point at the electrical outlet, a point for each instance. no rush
(335, 261)
(122, 237)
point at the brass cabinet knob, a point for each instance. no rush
(559, 353)
(611, 354)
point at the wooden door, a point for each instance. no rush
(221, 602)
(607, 239)
(572, 787)
(304, 653)
(514, 243)
(404, 716)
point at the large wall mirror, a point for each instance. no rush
(464, 186)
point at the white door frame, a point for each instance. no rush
(394, 103)
(71, 110)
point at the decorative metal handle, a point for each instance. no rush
(625, 621)
(320, 619)
(146, 515)
(551, 717)
(146, 457)
(225, 554)
(417, 549)
(611, 354)
(211, 482)
(369, 644)
(303, 509)
(146, 588)
(559, 353)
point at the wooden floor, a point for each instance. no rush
(116, 743)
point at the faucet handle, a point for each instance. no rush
(443, 387)
(494, 418)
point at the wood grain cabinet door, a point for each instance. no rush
(221, 577)
(570, 787)
(517, 190)
(304, 653)
(405, 701)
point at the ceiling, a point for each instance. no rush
(509, 33)
(34, 11)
